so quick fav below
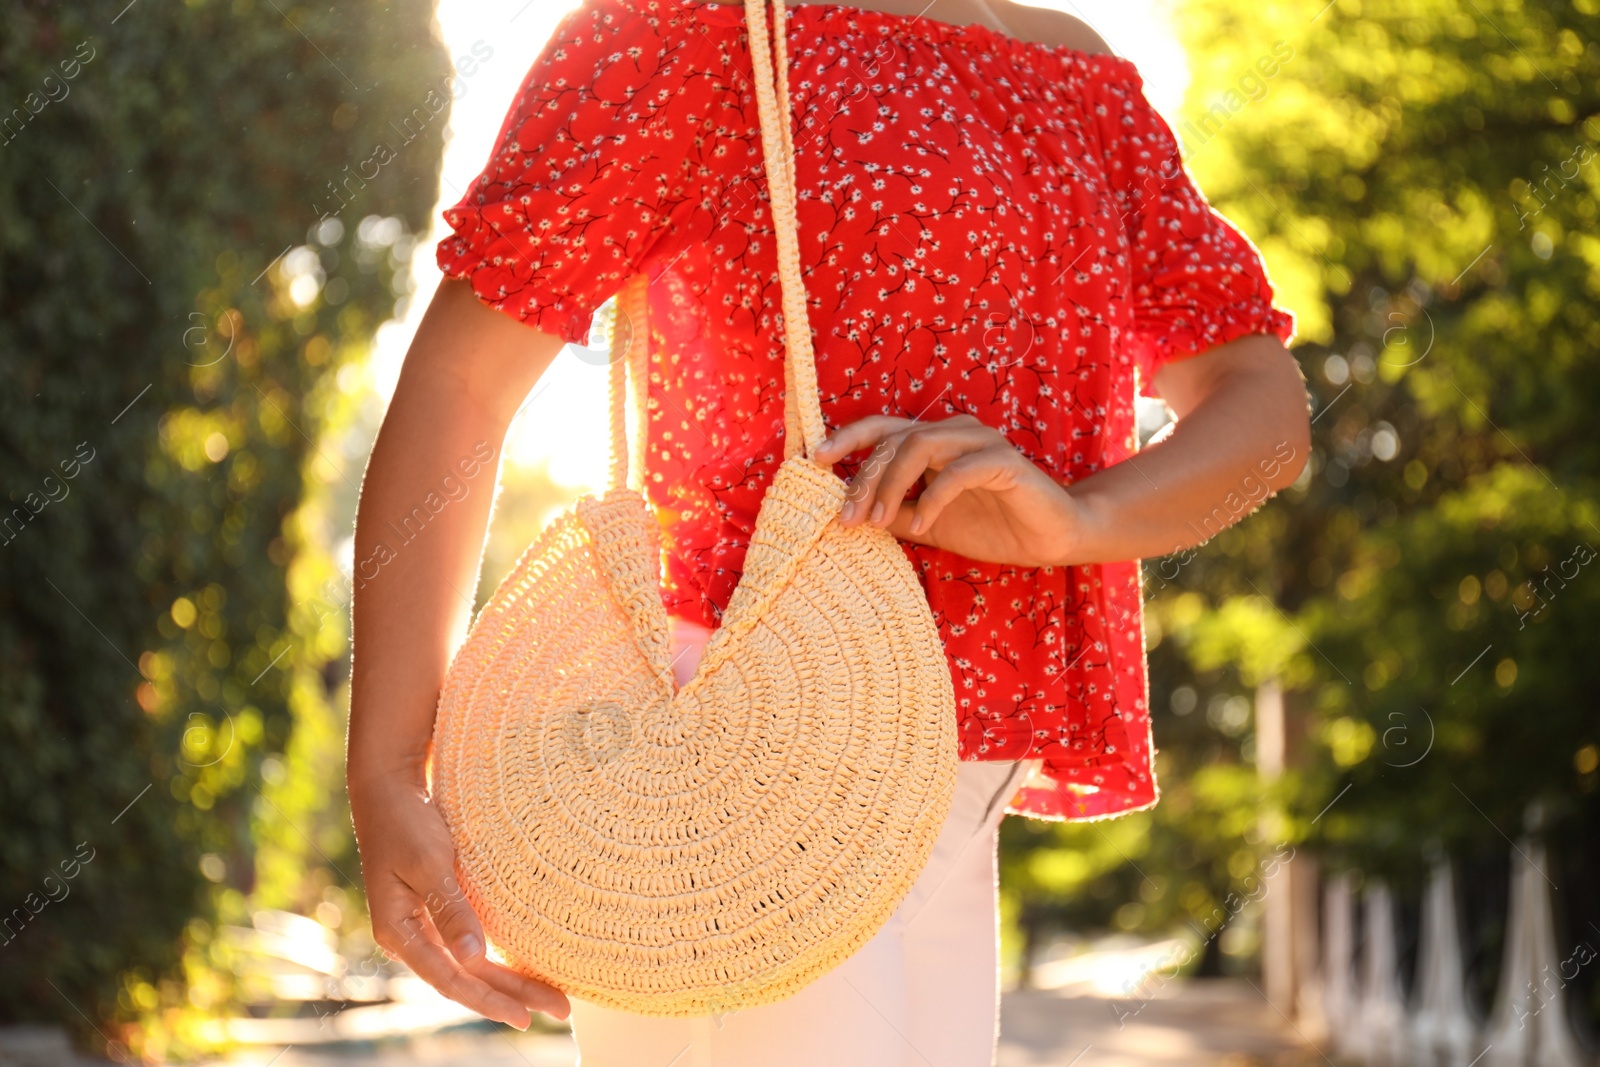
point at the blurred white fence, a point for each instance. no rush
(1340, 979)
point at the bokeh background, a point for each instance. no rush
(217, 220)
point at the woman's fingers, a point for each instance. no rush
(447, 905)
(863, 433)
(402, 928)
(439, 969)
(421, 915)
(527, 992)
(888, 475)
(901, 458)
(859, 493)
(971, 471)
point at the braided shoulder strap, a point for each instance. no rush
(630, 332)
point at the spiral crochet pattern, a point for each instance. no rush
(689, 851)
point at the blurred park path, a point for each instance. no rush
(1196, 1023)
(1096, 1002)
(1193, 1023)
(1105, 1002)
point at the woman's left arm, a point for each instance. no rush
(1242, 433)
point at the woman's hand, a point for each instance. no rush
(981, 498)
(420, 915)
(1243, 432)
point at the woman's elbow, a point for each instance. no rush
(1291, 407)
(1258, 382)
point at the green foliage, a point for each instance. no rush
(1472, 625)
(1423, 177)
(157, 163)
(1440, 186)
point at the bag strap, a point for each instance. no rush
(802, 409)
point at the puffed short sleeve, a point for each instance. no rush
(595, 171)
(1197, 282)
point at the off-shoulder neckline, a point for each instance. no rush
(843, 16)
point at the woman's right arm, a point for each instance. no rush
(466, 373)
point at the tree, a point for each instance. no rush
(1430, 585)
(205, 209)
(1421, 180)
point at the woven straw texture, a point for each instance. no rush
(690, 851)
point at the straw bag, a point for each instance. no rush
(690, 851)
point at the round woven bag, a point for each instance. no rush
(693, 850)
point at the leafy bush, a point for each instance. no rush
(185, 268)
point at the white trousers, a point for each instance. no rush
(923, 992)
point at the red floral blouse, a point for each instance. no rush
(990, 227)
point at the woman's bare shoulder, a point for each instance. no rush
(1037, 25)
(1043, 25)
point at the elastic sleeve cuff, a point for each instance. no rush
(498, 282)
(1202, 329)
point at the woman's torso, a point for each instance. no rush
(989, 226)
(963, 253)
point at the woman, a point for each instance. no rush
(1000, 248)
